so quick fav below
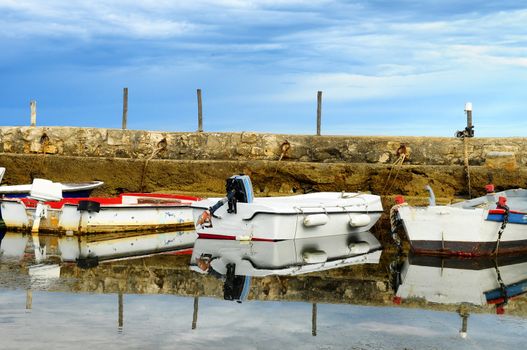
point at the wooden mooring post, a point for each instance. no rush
(125, 107)
(314, 320)
(319, 111)
(195, 314)
(200, 112)
(33, 112)
(120, 320)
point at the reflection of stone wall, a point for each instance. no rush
(92, 142)
(366, 284)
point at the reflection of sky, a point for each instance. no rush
(70, 321)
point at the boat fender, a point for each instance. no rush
(357, 248)
(316, 220)
(315, 257)
(89, 206)
(360, 220)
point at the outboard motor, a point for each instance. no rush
(235, 287)
(239, 189)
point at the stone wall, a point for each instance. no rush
(136, 144)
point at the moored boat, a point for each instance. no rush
(47, 212)
(491, 224)
(69, 190)
(240, 216)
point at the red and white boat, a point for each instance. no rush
(491, 224)
(46, 211)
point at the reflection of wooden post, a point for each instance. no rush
(120, 321)
(195, 315)
(319, 111)
(314, 320)
(29, 299)
(200, 112)
(125, 107)
(33, 115)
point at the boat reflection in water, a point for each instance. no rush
(235, 262)
(88, 250)
(481, 282)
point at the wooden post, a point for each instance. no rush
(33, 115)
(200, 112)
(195, 315)
(314, 319)
(29, 299)
(319, 111)
(125, 107)
(120, 317)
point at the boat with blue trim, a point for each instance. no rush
(492, 224)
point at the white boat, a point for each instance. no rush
(46, 211)
(90, 250)
(237, 262)
(240, 216)
(69, 190)
(476, 281)
(492, 224)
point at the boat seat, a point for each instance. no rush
(45, 191)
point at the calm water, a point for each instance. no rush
(381, 302)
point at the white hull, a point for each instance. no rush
(282, 218)
(455, 285)
(110, 218)
(463, 228)
(286, 257)
(100, 247)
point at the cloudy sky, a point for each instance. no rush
(77, 321)
(401, 67)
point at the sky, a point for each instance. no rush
(164, 322)
(385, 67)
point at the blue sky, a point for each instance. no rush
(385, 67)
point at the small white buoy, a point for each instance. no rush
(315, 257)
(360, 220)
(359, 248)
(316, 220)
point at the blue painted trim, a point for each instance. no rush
(246, 288)
(514, 218)
(512, 290)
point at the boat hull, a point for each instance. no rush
(446, 230)
(125, 217)
(295, 217)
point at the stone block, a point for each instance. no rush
(501, 160)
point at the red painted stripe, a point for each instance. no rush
(501, 211)
(233, 238)
(31, 203)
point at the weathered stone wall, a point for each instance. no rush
(199, 163)
(92, 142)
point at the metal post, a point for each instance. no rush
(33, 113)
(319, 111)
(200, 112)
(195, 315)
(125, 107)
(314, 320)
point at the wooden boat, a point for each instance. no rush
(491, 224)
(45, 211)
(89, 250)
(456, 280)
(240, 216)
(69, 190)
